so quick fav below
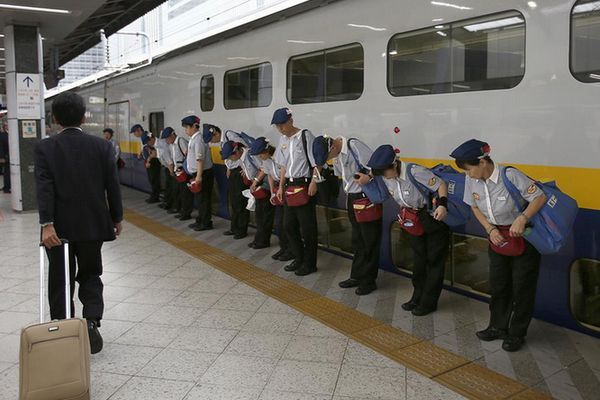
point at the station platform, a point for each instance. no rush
(201, 316)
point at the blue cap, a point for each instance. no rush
(136, 126)
(471, 150)
(383, 157)
(281, 116)
(259, 145)
(320, 149)
(208, 132)
(146, 138)
(228, 149)
(168, 131)
(190, 120)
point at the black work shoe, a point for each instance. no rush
(513, 343)
(286, 256)
(419, 311)
(293, 266)
(152, 201)
(302, 271)
(348, 283)
(276, 255)
(185, 217)
(163, 206)
(201, 228)
(228, 233)
(172, 211)
(251, 244)
(491, 333)
(194, 225)
(240, 236)
(409, 305)
(260, 246)
(363, 290)
(178, 215)
(96, 341)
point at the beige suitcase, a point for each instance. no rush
(54, 359)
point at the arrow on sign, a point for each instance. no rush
(28, 80)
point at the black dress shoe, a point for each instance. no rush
(201, 228)
(513, 343)
(302, 271)
(185, 217)
(409, 305)
(228, 233)
(194, 225)
(293, 266)
(276, 255)
(251, 245)
(348, 283)
(491, 333)
(96, 341)
(152, 200)
(419, 311)
(163, 206)
(363, 290)
(240, 236)
(286, 256)
(260, 246)
(178, 215)
(172, 211)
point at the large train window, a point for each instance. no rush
(485, 53)
(585, 41)
(207, 93)
(328, 75)
(156, 122)
(248, 87)
(584, 293)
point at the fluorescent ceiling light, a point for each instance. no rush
(439, 3)
(532, 4)
(595, 76)
(306, 41)
(444, 34)
(35, 9)
(393, 53)
(439, 27)
(368, 27)
(1, 48)
(494, 24)
(437, 19)
(1, 35)
(593, 6)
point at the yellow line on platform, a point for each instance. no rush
(453, 371)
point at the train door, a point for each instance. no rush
(118, 120)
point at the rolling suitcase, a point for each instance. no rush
(54, 358)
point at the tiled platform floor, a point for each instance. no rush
(176, 326)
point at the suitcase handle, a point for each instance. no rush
(65, 244)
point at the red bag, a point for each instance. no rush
(274, 199)
(410, 222)
(366, 211)
(296, 196)
(120, 163)
(181, 176)
(512, 246)
(261, 193)
(247, 182)
(195, 187)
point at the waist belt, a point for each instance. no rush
(295, 181)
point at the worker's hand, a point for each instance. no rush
(118, 228)
(312, 188)
(518, 226)
(440, 213)
(497, 238)
(280, 193)
(363, 179)
(49, 237)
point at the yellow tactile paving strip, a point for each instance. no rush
(455, 372)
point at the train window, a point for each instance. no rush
(478, 54)
(207, 93)
(157, 122)
(470, 263)
(249, 87)
(584, 292)
(585, 41)
(329, 75)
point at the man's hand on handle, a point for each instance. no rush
(49, 237)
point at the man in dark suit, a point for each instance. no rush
(79, 200)
(4, 158)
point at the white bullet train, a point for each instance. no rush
(421, 75)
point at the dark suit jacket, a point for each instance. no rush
(4, 145)
(78, 186)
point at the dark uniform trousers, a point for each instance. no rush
(154, 177)
(513, 282)
(280, 228)
(186, 199)
(301, 228)
(204, 198)
(176, 204)
(430, 254)
(169, 198)
(239, 214)
(265, 216)
(86, 267)
(366, 238)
